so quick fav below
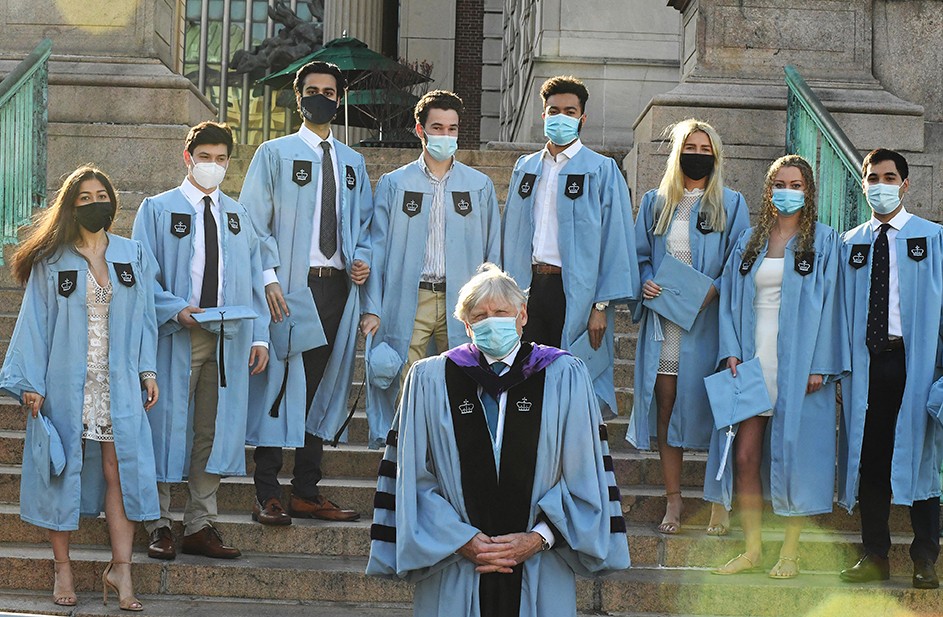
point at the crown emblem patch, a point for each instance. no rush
(466, 407)
(524, 405)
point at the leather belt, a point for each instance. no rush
(430, 286)
(323, 272)
(545, 269)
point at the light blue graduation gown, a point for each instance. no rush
(283, 214)
(918, 439)
(171, 251)
(799, 453)
(571, 488)
(691, 421)
(398, 240)
(597, 248)
(47, 355)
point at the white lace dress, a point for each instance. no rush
(96, 409)
(678, 245)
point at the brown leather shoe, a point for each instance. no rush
(209, 543)
(271, 513)
(319, 508)
(162, 544)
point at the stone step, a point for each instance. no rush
(820, 550)
(641, 504)
(302, 578)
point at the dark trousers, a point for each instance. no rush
(546, 309)
(888, 375)
(330, 296)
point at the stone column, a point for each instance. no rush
(116, 95)
(362, 19)
(732, 58)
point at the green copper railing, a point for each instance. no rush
(23, 127)
(813, 133)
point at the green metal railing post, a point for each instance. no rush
(813, 133)
(24, 122)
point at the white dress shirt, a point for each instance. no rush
(542, 528)
(316, 258)
(546, 244)
(197, 263)
(893, 290)
(433, 262)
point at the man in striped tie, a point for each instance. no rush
(435, 221)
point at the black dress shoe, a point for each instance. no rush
(162, 544)
(925, 575)
(869, 568)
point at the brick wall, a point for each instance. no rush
(469, 20)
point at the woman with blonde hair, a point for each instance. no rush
(82, 351)
(694, 218)
(779, 304)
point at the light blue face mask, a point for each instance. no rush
(884, 198)
(788, 201)
(561, 129)
(495, 336)
(441, 147)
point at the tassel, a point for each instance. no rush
(273, 412)
(222, 350)
(657, 333)
(723, 459)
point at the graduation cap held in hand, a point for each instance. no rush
(45, 447)
(214, 320)
(735, 399)
(682, 293)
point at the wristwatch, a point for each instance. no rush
(544, 545)
(601, 306)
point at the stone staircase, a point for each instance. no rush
(313, 567)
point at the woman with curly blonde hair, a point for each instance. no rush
(779, 304)
(694, 218)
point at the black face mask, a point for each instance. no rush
(318, 109)
(95, 216)
(697, 166)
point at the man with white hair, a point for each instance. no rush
(496, 487)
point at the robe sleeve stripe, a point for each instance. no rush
(385, 501)
(392, 439)
(387, 469)
(614, 494)
(616, 524)
(607, 463)
(603, 433)
(384, 533)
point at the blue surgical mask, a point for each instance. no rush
(561, 129)
(884, 198)
(495, 336)
(441, 147)
(788, 201)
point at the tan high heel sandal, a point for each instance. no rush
(66, 598)
(126, 604)
(670, 528)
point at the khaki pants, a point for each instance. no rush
(431, 318)
(201, 509)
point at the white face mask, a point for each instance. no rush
(208, 175)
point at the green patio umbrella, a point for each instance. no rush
(361, 66)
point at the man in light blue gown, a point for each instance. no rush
(890, 448)
(206, 256)
(435, 221)
(496, 487)
(568, 236)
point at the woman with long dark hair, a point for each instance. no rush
(83, 356)
(779, 304)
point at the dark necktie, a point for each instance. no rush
(491, 403)
(210, 288)
(327, 238)
(880, 284)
